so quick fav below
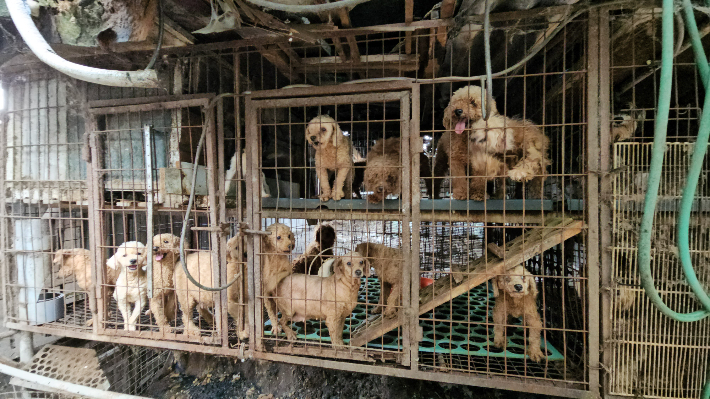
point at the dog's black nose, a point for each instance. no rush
(518, 287)
(133, 261)
(155, 248)
(458, 112)
(380, 189)
(358, 273)
(313, 138)
(289, 246)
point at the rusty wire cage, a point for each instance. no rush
(456, 243)
(646, 348)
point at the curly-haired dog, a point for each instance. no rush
(275, 266)
(77, 262)
(317, 251)
(302, 297)
(388, 266)
(333, 152)
(132, 283)
(523, 144)
(452, 149)
(163, 305)
(516, 295)
(624, 126)
(383, 173)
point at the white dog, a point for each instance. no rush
(132, 283)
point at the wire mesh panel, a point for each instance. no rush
(144, 159)
(45, 218)
(339, 202)
(652, 355)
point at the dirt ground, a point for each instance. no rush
(254, 379)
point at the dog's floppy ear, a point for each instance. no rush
(112, 262)
(495, 286)
(337, 133)
(532, 286)
(338, 266)
(447, 118)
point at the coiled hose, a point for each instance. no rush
(659, 146)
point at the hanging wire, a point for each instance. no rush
(161, 28)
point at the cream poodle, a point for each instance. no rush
(333, 153)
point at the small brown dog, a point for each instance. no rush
(333, 152)
(77, 262)
(132, 283)
(302, 297)
(516, 295)
(275, 266)
(388, 264)
(163, 305)
(189, 296)
(317, 251)
(383, 173)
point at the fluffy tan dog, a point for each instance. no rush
(333, 152)
(275, 266)
(163, 305)
(132, 283)
(453, 152)
(77, 262)
(523, 144)
(302, 297)
(189, 296)
(388, 266)
(516, 295)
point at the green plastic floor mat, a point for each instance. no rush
(458, 327)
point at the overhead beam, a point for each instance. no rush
(408, 19)
(400, 62)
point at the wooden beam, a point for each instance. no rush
(276, 57)
(408, 19)
(345, 22)
(534, 241)
(399, 62)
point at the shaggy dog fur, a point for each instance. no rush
(388, 264)
(163, 305)
(516, 295)
(303, 297)
(383, 174)
(77, 262)
(519, 141)
(334, 153)
(452, 149)
(199, 264)
(275, 266)
(132, 283)
(310, 261)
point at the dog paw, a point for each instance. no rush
(389, 313)
(90, 322)
(339, 194)
(480, 196)
(459, 195)
(536, 355)
(376, 310)
(519, 175)
(499, 342)
(291, 335)
(324, 196)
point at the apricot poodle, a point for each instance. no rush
(333, 153)
(516, 296)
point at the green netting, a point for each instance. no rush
(461, 327)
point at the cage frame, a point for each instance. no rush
(597, 41)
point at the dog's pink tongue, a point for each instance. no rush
(159, 256)
(460, 127)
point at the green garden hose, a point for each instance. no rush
(659, 146)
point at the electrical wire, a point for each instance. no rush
(487, 49)
(209, 120)
(161, 28)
